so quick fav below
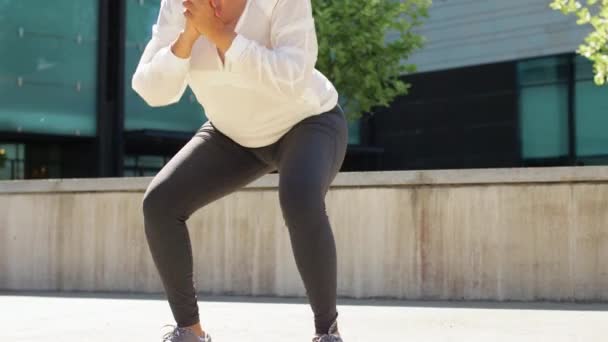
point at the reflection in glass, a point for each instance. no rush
(143, 165)
(48, 67)
(186, 115)
(12, 158)
(543, 107)
(591, 103)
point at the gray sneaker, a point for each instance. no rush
(332, 335)
(179, 334)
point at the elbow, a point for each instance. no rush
(297, 91)
(154, 102)
(140, 88)
(150, 93)
(299, 80)
(296, 87)
(299, 87)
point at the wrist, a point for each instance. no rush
(182, 46)
(188, 38)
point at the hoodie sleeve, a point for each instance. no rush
(161, 77)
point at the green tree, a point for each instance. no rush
(595, 48)
(363, 45)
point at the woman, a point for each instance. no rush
(251, 64)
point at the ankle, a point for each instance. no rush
(326, 326)
(197, 329)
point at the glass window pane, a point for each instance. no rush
(354, 134)
(544, 121)
(129, 161)
(151, 161)
(542, 71)
(591, 119)
(591, 106)
(583, 68)
(143, 164)
(11, 161)
(543, 107)
(129, 173)
(594, 160)
(186, 115)
(48, 66)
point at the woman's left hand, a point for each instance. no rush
(204, 16)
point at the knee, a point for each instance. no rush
(303, 206)
(153, 202)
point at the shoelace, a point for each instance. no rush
(327, 338)
(178, 331)
(330, 336)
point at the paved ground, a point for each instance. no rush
(97, 317)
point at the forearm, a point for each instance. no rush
(161, 74)
(182, 46)
(160, 77)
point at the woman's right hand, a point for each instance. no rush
(183, 45)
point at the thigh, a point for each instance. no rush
(208, 167)
(312, 152)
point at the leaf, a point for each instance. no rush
(595, 47)
(363, 46)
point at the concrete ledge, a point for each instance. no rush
(501, 234)
(587, 174)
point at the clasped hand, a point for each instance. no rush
(204, 16)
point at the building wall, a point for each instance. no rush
(498, 85)
(471, 32)
(496, 234)
(458, 118)
(465, 108)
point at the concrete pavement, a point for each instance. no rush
(97, 317)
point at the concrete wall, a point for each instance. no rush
(471, 32)
(505, 234)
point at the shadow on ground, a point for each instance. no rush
(203, 297)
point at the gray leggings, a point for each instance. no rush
(211, 165)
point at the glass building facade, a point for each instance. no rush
(59, 110)
(48, 67)
(544, 111)
(543, 107)
(562, 111)
(47, 86)
(591, 116)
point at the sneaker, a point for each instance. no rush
(179, 334)
(332, 335)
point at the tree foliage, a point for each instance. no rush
(364, 45)
(595, 48)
